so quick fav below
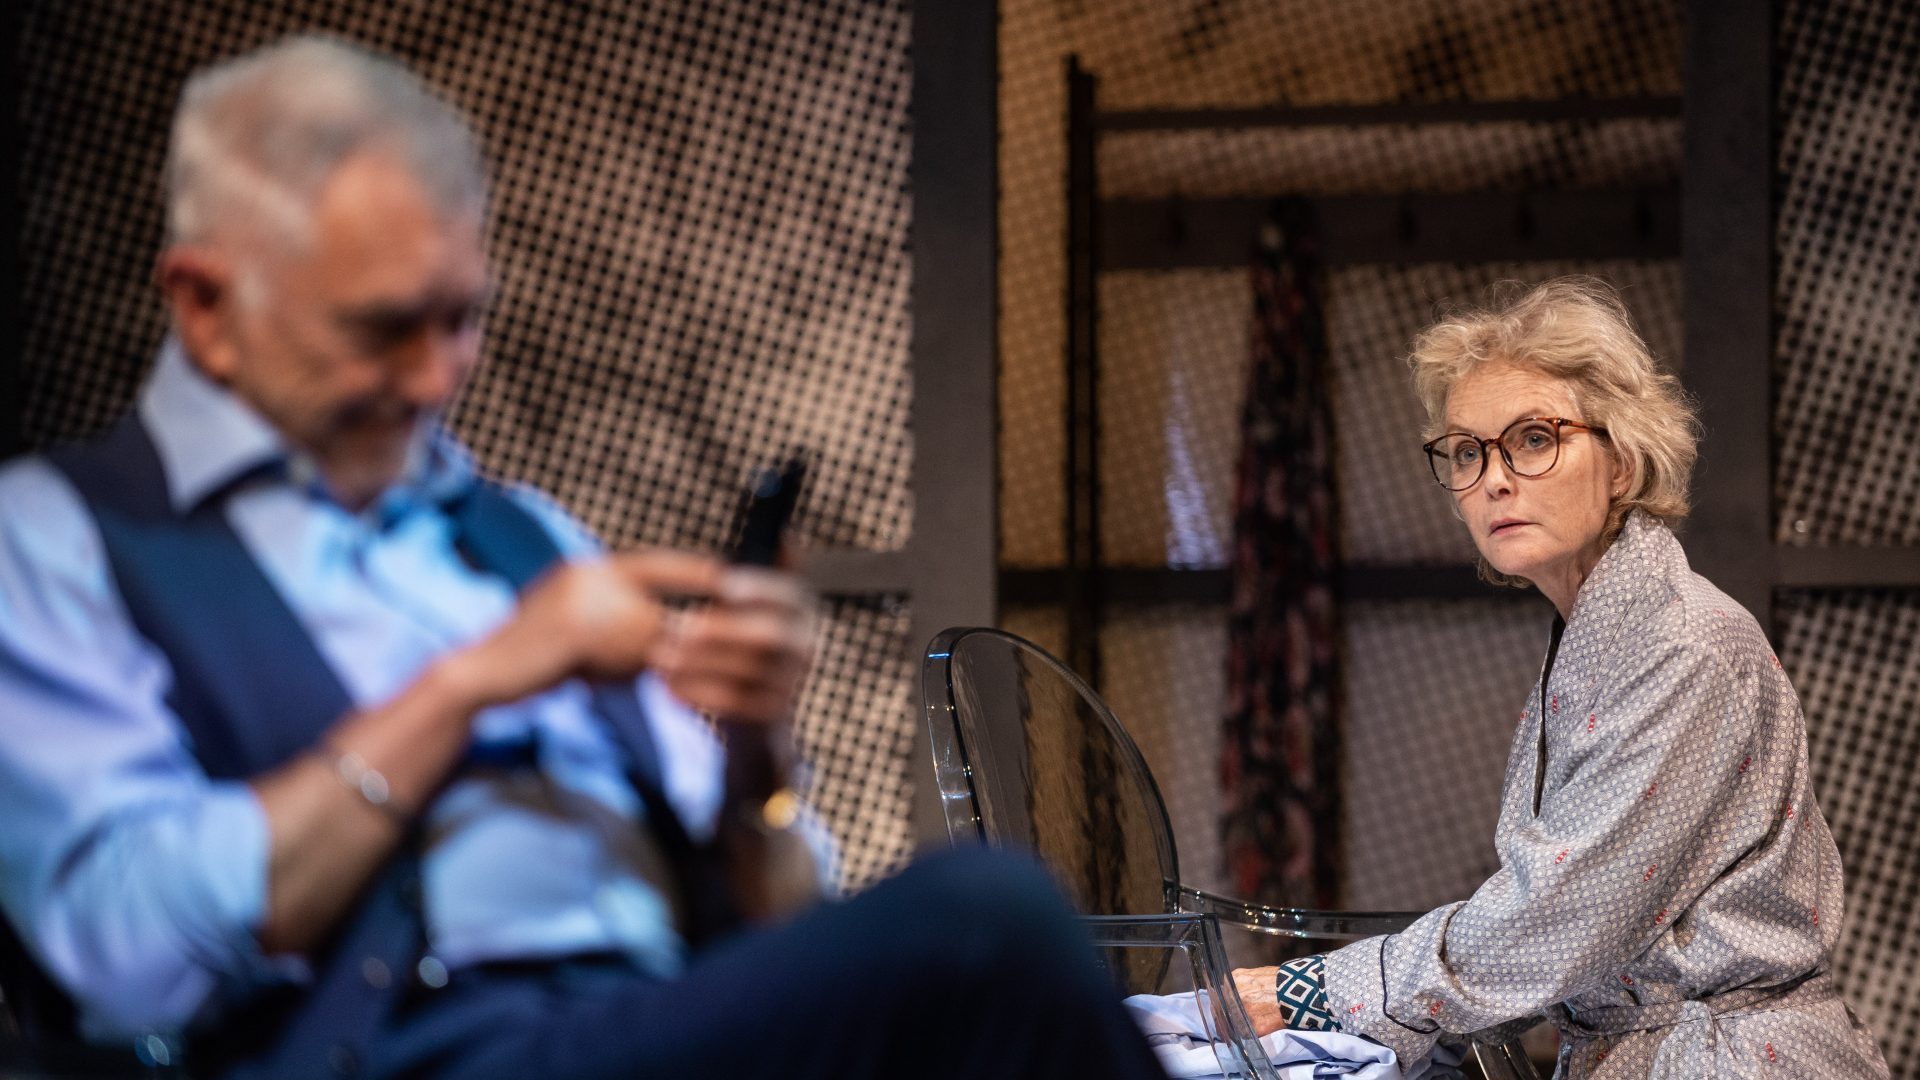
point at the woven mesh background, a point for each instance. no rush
(1855, 658)
(851, 729)
(1171, 706)
(1847, 237)
(1044, 625)
(1846, 463)
(700, 225)
(1442, 683)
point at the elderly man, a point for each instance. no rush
(323, 755)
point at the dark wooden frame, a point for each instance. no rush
(947, 566)
(1727, 281)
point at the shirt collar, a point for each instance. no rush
(208, 439)
(1636, 554)
(1643, 553)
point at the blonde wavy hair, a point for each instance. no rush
(1577, 330)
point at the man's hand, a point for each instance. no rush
(743, 655)
(742, 658)
(592, 618)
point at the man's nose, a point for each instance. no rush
(434, 366)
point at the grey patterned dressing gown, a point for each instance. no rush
(1673, 903)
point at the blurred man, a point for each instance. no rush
(323, 755)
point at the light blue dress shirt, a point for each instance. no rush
(139, 882)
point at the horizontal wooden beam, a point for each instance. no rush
(1847, 567)
(1135, 586)
(1117, 585)
(1563, 110)
(850, 573)
(1470, 227)
(1142, 586)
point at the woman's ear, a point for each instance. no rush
(1623, 473)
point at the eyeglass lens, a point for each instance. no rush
(1529, 447)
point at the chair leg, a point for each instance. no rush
(1507, 1061)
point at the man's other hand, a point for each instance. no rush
(740, 652)
(599, 619)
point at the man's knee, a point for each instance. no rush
(988, 885)
(996, 914)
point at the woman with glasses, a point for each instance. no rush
(1668, 893)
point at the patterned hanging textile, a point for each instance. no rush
(1280, 750)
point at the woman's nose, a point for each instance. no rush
(1497, 480)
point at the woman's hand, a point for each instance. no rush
(1255, 986)
(1302, 1007)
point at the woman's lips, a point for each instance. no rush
(1505, 527)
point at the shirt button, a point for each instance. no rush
(153, 1051)
(375, 973)
(433, 973)
(342, 1060)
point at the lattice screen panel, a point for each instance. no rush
(1173, 368)
(1434, 691)
(1171, 706)
(1846, 463)
(1847, 240)
(1044, 625)
(1854, 657)
(856, 734)
(700, 224)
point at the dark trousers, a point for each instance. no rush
(967, 964)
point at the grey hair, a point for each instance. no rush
(257, 136)
(1575, 329)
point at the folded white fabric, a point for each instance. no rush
(1172, 1024)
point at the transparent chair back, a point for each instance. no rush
(1027, 755)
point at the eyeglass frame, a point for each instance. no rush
(1499, 441)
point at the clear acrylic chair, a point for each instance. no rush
(1027, 755)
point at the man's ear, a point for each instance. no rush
(198, 285)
